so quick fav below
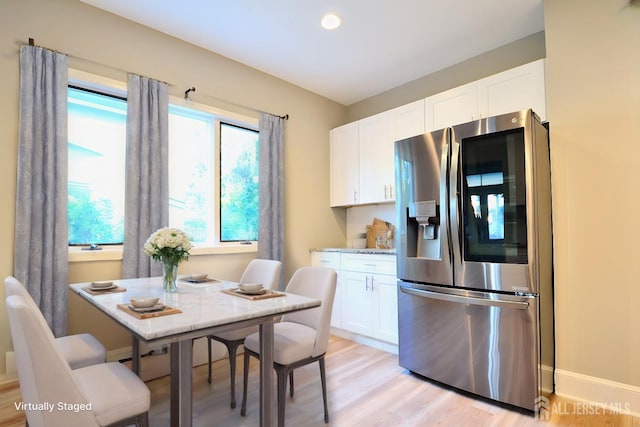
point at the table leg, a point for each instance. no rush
(266, 374)
(181, 382)
(135, 355)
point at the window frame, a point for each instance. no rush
(107, 93)
(218, 197)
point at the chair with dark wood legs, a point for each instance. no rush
(300, 338)
(266, 272)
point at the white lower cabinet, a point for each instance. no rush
(366, 301)
(369, 296)
(370, 305)
(358, 316)
(331, 260)
(385, 325)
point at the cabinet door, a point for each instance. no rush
(344, 165)
(357, 315)
(331, 260)
(408, 120)
(455, 106)
(386, 308)
(376, 158)
(513, 90)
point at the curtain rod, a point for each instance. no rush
(186, 93)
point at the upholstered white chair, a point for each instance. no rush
(54, 394)
(263, 271)
(78, 350)
(300, 338)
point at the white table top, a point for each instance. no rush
(203, 306)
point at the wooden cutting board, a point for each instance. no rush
(268, 294)
(148, 315)
(379, 228)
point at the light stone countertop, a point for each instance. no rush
(203, 306)
(356, 250)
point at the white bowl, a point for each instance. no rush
(101, 284)
(250, 286)
(198, 276)
(144, 302)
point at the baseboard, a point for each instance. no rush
(615, 396)
(361, 339)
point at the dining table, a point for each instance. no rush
(196, 309)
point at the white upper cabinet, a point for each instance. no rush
(457, 105)
(344, 165)
(362, 155)
(362, 152)
(408, 120)
(512, 90)
(376, 158)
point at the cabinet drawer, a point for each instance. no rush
(369, 263)
(326, 259)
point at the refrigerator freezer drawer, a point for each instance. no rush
(486, 346)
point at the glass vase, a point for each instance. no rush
(169, 276)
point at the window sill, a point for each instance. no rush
(114, 253)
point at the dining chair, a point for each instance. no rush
(78, 350)
(263, 271)
(300, 338)
(54, 395)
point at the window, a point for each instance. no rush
(191, 173)
(195, 137)
(96, 150)
(213, 171)
(238, 183)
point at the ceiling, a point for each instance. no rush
(380, 45)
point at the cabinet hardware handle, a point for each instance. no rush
(366, 283)
(386, 192)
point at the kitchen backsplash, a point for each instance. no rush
(358, 217)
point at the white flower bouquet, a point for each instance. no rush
(168, 245)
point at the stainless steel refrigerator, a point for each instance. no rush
(474, 248)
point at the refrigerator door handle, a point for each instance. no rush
(454, 211)
(517, 305)
(445, 200)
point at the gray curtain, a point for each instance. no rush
(271, 165)
(147, 178)
(41, 237)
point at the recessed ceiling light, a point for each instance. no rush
(330, 21)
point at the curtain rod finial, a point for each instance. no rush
(186, 93)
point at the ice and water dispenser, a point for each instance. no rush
(423, 225)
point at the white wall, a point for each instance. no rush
(593, 105)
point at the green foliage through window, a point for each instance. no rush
(239, 183)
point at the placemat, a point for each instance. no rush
(268, 294)
(147, 315)
(108, 291)
(210, 279)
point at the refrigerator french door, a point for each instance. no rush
(474, 257)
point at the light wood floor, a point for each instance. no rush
(366, 387)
